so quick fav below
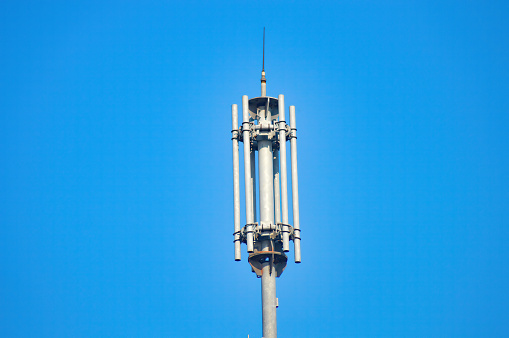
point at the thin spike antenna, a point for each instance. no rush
(264, 82)
(263, 59)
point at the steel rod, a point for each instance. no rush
(247, 172)
(277, 188)
(295, 185)
(253, 184)
(236, 181)
(266, 184)
(269, 300)
(283, 171)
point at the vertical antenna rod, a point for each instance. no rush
(247, 173)
(236, 180)
(283, 173)
(263, 60)
(295, 185)
(264, 82)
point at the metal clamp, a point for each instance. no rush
(275, 258)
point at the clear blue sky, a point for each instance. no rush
(116, 214)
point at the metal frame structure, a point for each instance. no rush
(264, 130)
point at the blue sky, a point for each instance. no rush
(116, 215)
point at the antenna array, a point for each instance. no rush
(267, 232)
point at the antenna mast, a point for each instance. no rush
(263, 60)
(264, 82)
(264, 130)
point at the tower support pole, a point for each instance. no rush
(269, 301)
(265, 170)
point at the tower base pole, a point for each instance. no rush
(269, 302)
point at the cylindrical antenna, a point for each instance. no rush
(277, 189)
(236, 181)
(253, 185)
(266, 182)
(295, 185)
(264, 82)
(247, 173)
(283, 172)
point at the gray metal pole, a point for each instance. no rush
(264, 82)
(277, 195)
(264, 85)
(295, 185)
(247, 172)
(284, 179)
(253, 185)
(269, 300)
(236, 181)
(266, 183)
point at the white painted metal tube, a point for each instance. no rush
(253, 185)
(236, 181)
(295, 185)
(283, 172)
(277, 188)
(247, 172)
(277, 201)
(264, 85)
(266, 182)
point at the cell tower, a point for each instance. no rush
(264, 130)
